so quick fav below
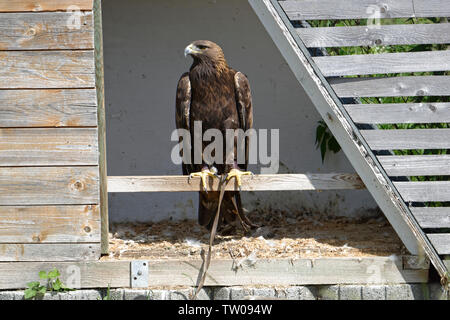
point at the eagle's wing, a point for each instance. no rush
(183, 105)
(244, 106)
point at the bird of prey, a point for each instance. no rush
(219, 97)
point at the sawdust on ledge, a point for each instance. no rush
(282, 235)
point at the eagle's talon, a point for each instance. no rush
(203, 175)
(237, 174)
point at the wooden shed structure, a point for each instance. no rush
(53, 181)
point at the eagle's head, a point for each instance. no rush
(206, 52)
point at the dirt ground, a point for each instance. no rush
(281, 235)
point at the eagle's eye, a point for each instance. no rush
(202, 47)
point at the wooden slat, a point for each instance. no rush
(49, 252)
(426, 165)
(391, 86)
(424, 191)
(48, 185)
(48, 108)
(383, 35)
(43, 5)
(399, 113)
(432, 217)
(46, 224)
(48, 146)
(407, 139)
(362, 9)
(267, 182)
(441, 242)
(43, 31)
(116, 274)
(47, 69)
(364, 64)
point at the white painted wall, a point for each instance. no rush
(143, 43)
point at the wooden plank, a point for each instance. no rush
(378, 270)
(48, 108)
(407, 139)
(100, 86)
(399, 113)
(333, 113)
(426, 165)
(432, 217)
(48, 146)
(391, 86)
(424, 191)
(47, 224)
(382, 35)
(47, 69)
(441, 242)
(266, 182)
(363, 9)
(44, 5)
(48, 185)
(43, 31)
(364, 64)
(48, 252)
(116, 274)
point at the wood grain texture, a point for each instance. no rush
(49, 224)
(426, 165)
(43, 5)
(47, 30)
(48, 185)
(383, 63)
(48, 252)
(267, 182)
(48, 108)
(407, 139)
(116, 274)
(424, 191)
(362, 9)
(399, 113)
(441, 242)
(48, 146)
(391, 86)
(432, 217)
(47, 69)
(382, 35)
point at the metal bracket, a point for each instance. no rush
(139, 274)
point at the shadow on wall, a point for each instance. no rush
(143, 47)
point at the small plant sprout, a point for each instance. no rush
(35, 290)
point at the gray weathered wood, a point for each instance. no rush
(43, 5)
(364, 64)
(426, 165)
(48, 108)
(267, 182)
(432, 217)
(48, 146)
(407, 139)
(47, 30)
(47, 252)
(101, 274)
(47, 69)
(424, 191)
(48, 185)
(99, 83)
(391, 86)
(362, 9)
(399, 113)
(382, 35)
(441, 242)
(46, 224)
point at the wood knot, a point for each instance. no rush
(31, 32)
(432, 107)
(87, 229)
(78, 185)
(378, 42)
(36, 239)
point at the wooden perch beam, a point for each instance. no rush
(263, 182)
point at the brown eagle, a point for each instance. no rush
(219, 97)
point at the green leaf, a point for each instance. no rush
(29, 294)
(56, 285)
(42, 290)
(33, 284)
(54, 274)
(43, 275)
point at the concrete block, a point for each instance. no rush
(7, 295)
(239, 293)
(399, 292)
(374, 292)
(308, 293)
(134, 294)
(328, 292)
(221, 293)
(159, 295)
(350, 292)
(181, 294)
(264, 293)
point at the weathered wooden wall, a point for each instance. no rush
(49, 154)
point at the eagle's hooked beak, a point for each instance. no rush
(190, 49)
